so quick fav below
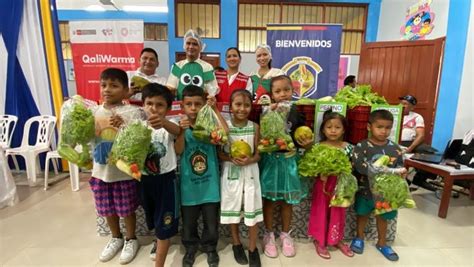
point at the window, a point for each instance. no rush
(156, 32)
(65, 42)
(254, 17)
(202, 16)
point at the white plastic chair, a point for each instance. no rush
(73, 171)
(29, 152)
(7, 127)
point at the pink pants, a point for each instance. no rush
(326, 224)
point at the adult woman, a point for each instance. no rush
(262, 77)
(231, 79)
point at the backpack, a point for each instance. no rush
(466, 154)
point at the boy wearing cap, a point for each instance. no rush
(413, 135)
(192, 70)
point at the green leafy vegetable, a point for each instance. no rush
(345, 191)
(391, 192)
(273, 135)
(130, 148)
(77, 128)
(208, 129)
(305, 101)
(362, 95)
(324, 160)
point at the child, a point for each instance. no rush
(115, 192)
(240, 179)
(326, 224)
(199, 172)
(365, 153)
(158, 187)
(279, 177)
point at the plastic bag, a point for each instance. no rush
(130, 147)
(208, 128)
(389, 189)
(8, 194)
(77, 131)
(344, 194)
(274, 134)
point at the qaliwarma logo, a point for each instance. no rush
(303, 72)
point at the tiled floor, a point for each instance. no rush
(57, 228)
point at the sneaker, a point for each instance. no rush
(254, 258)
(239, 254)
(287, 245)
(111, 249)
(129, 251)
(188, 259)
(269, 246)
(153, 251)
(213, 259)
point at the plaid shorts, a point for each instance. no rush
(116, 198)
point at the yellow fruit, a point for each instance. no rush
(303, 132)
(240, 149)
(108, 134)
(139, 82)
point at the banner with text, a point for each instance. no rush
(309, 54)
(97, 45)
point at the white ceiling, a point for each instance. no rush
(83, 4)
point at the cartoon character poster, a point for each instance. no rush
(418, 22)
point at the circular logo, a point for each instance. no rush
(303, 72)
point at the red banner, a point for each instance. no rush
(97, 45)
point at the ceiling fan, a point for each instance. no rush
(109, 3)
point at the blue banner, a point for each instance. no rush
(309, 54)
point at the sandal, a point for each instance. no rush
(357, 245)
(388, 252)
(322, 252)
(345, 249)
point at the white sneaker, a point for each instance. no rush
(129, 251)
(111, 249)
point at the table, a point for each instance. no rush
(450, 174)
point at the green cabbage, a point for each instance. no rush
(362, 95)
(324, 160)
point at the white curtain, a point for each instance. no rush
(32, 57)
(3, 74)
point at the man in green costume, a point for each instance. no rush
(192, 70)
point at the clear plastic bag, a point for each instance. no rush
(344, 194)
(274, 130)
(77, 131)
(389, 189)
(131, 145)
(208, 128)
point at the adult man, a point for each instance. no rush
(192, 70)
(413, 135)
(148, 65)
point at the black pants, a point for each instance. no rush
(421, 176)
(210, 234)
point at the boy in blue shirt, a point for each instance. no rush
(199, 173)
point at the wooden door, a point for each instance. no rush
(398, 68)
(211, 58)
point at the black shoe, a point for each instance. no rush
(213, 259)
(188, 259)
(413, 189)
(239, 254)
(254, 258)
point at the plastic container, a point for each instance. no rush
(255, 113)
(357, 117)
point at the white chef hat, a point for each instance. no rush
(266, 47)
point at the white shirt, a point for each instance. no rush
(168, 162)
(154, 78)
(410, 122)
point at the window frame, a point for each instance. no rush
(199, 2)
(155, 24)
(318, 4)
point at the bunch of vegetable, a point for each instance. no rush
(389, 189)
(273, 130)
(362, 95)
(345, 191)
(130, 148)
(324, 160)
(77, 128)
(305, 101)
(208, 129)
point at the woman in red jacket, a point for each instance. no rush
(231, 79)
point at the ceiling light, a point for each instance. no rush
(157, 9)
(95, 8)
